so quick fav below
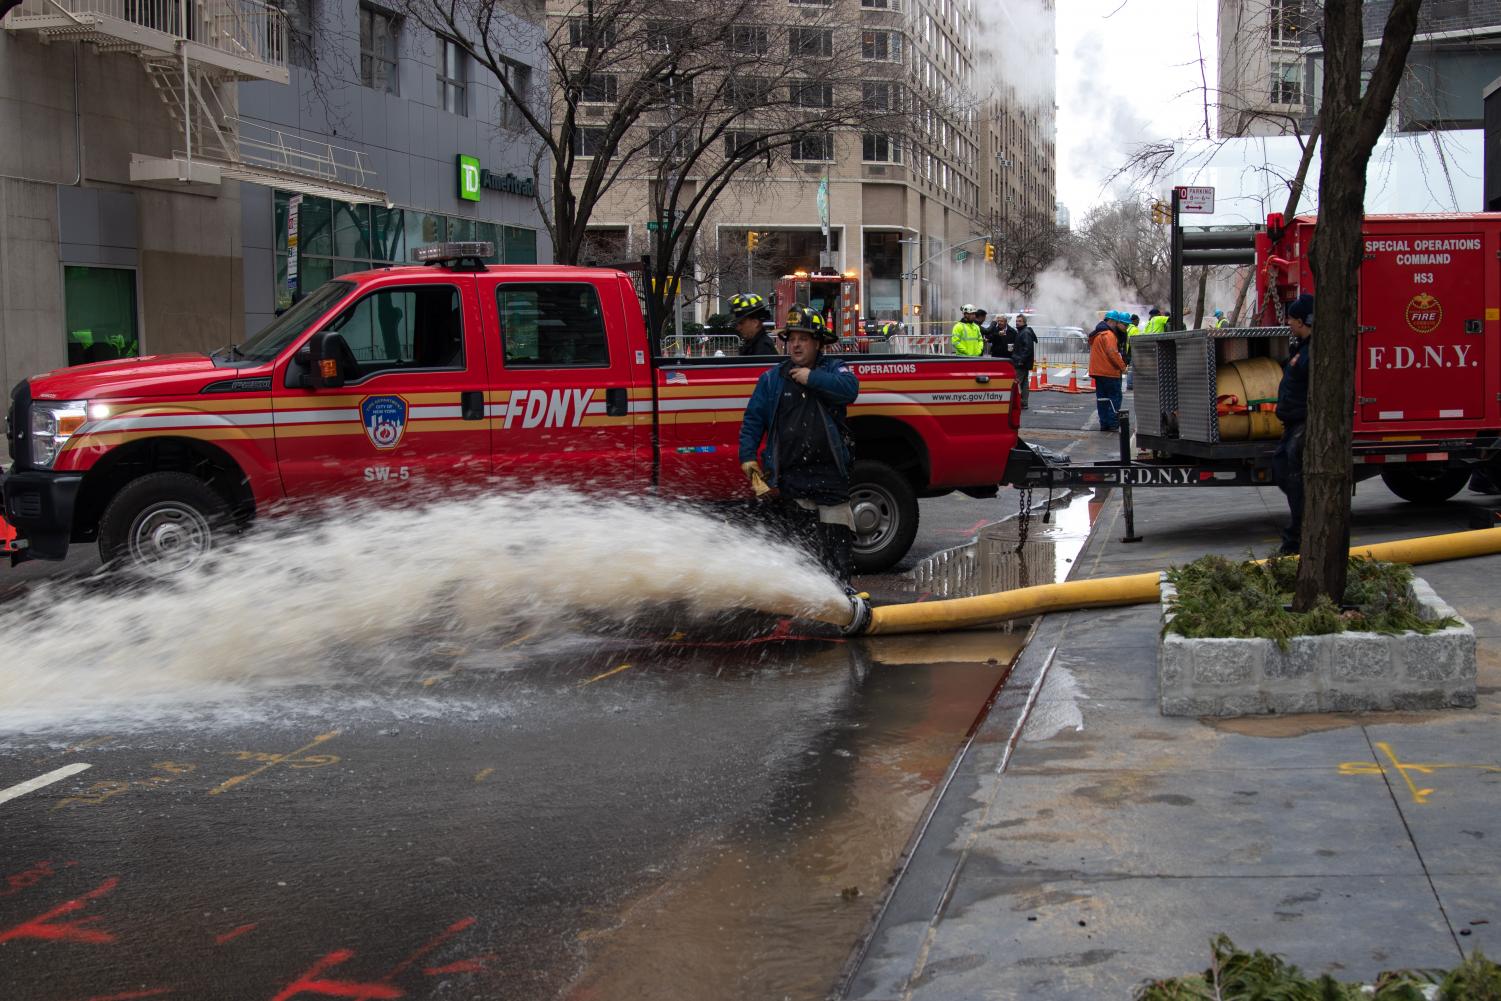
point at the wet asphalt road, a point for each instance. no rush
(704, 811)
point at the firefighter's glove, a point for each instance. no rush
(752, 471)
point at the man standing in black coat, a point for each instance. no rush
(1292, 411)
(1023, 354)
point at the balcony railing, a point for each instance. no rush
(245, 36)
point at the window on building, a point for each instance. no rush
(882, 46)
(378, 30)
(812, 3)
(519, 76)
(876, 148)
(1287, 82)
(668, 36)
(584, 34)
(419, 327)
(599, 88)
(298, 15)
(749, 92)
(588, 141)
(812, 95)
(1284, 19)
(453, 76)
(745, 144)
(100, 308)
(812, 43)
(813, 146)
(881, 4)
(662, 144)
(552, 325)
(750, 39)
(878, 95)
(676, 90)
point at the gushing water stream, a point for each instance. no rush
(361, 593)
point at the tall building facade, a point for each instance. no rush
(167, 144)
(1271, 76)
(909, 212)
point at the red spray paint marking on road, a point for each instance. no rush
(234, 933)
(476, 965)
(67, 931)
(429, 946)
(26, 878)
(307, 984)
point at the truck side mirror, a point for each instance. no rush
(328, 359)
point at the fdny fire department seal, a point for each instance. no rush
(385, 420)
(1424, 313)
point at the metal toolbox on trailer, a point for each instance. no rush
(1176, 386)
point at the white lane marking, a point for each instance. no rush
(31, 785)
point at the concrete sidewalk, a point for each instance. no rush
(1110, 844)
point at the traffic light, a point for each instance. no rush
(752, 240)
(989, 251)
(430, 229)
(1162, 214)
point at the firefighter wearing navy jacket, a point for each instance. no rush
(798, 411)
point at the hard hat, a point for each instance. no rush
(807, 320)
(968, 308)
(1218, 313)
(1113, 315)
(748, 304)
(1154, 311)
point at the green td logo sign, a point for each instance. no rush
(469, 177)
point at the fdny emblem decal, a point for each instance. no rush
(385, 420)
(1424, 313)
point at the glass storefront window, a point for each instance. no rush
(387, 234)
(422, 229)
(100, 311)
(521, 245)
(351, 225)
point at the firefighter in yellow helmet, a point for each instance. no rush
(750, 312)
(798, 411)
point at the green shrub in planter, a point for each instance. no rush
(1257, 976)
(1250, 599)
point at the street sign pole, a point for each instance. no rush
(1175, 269)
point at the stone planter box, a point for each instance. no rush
(1343, 672)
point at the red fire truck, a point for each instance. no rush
(389, 383)
(834, 296)
(1427, 379)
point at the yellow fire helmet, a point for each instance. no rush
(808, 320)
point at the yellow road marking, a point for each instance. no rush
(602, 677)
(1406, 769)
(483, 774)
(276, 760)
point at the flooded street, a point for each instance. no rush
(498, 769)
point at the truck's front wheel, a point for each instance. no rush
(1425, 483)
(162, 523)
(885, 507)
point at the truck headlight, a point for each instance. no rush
(52, 424)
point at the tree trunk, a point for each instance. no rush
(1351, 123)
(1242, 284)
(1199, 309)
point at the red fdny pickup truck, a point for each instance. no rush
(446, 376)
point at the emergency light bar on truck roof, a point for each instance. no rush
(454, 253)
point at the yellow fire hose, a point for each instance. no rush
(1133, 589)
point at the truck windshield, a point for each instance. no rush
(286, 328)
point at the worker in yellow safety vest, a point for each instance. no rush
(1156, 321)
(1131, 331)
(966, 336)
(1219, 320)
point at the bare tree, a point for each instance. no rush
(1352, 123)
(677, 100)
(1121, 236)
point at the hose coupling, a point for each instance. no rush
(859, 614)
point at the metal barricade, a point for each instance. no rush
(1061, 360)
(700, 345)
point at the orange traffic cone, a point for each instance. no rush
(1032, 384)
(1073, 380)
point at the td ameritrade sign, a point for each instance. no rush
(472, 177)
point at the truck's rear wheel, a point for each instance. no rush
(1425, 483)
(885, 507)
(162, 523)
